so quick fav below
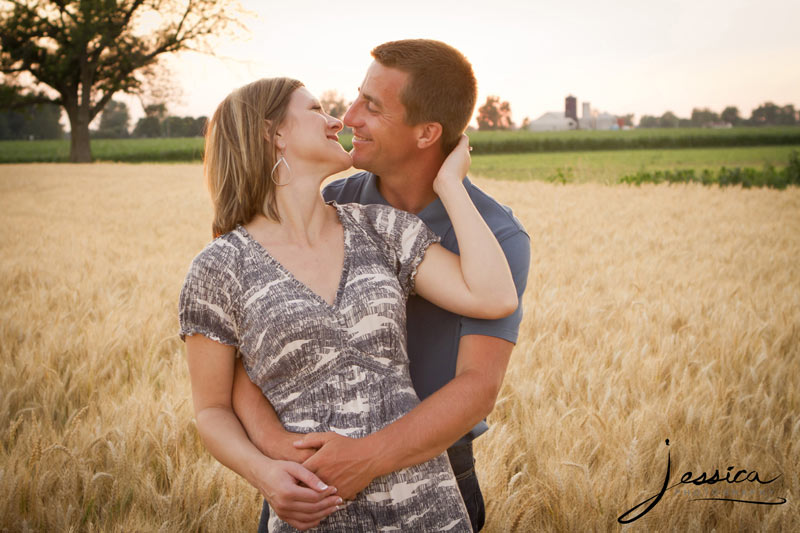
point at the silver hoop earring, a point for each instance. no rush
(275, 167)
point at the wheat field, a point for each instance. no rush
(652, 313)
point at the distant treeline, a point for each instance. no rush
(42, 122)
(33, 122)
(115, 120)
(767, 114)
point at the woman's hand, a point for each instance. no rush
(297, 496)
(477, 282)
(455, 167)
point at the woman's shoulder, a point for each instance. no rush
(221, 254)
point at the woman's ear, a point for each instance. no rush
(279, 139)
(280, 144)
(267, 126)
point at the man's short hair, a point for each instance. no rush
(441, 86)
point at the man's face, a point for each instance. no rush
(382, 141)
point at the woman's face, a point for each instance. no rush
(309, 137)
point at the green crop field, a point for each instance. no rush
(508, 142)
(609, 166)
(182, 149)
(483, 142)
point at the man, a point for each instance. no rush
(416, 99)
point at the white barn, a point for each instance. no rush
(559, 121)
(553, 121)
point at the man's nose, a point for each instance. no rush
(351, 117)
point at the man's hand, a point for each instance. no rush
(296, 495)
(348, 464)
(281, 447)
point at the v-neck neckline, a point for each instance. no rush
(299, 284)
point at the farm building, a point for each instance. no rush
(553, 121)
(591, 119)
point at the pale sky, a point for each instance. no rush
(623, 56)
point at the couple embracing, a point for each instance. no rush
(340, 343)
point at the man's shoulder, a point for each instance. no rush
(500, 218)
(346, 190)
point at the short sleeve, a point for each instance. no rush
(206, 304)
(407, 238)
(517, 249)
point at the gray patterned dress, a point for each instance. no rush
(340, 367)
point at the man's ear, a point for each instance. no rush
(428, 133)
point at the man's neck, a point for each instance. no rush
(411, 188)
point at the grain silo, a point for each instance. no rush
(571, 108)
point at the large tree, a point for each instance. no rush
(494, 115)
(79, 53)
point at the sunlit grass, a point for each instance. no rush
(652, 312)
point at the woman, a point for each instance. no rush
(312, 297)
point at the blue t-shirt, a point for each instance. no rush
(433, 333)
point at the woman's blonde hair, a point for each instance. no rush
(240, 152)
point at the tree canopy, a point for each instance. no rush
(770, 114)
(79, 53)
(494, 115)
(333, 103)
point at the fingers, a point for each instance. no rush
(463, 143)
(303, 455)
(307, 477)
(303, 523)
(308, 515)
(306, 511)
(311, 440)
(300, 494)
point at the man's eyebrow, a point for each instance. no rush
(370, 98)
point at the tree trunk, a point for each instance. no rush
(80, 150)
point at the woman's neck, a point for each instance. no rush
(303, 214)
